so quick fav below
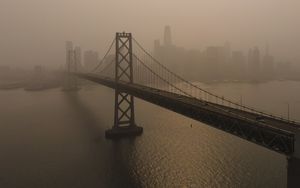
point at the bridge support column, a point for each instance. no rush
(70, 81)
(293, 166)
(124, 122)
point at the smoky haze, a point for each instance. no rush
(34, 31)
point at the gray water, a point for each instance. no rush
(56, 139)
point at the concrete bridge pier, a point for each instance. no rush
(293, 166)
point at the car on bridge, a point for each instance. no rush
(260, 119)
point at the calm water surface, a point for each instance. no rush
(56, 139)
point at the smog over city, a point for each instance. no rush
(161, 93)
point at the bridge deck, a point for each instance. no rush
(272, 133)
(264, 121)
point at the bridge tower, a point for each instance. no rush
(70, 81)
(124, 122)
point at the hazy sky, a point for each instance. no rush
(34, 31)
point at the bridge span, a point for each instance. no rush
(268, 132)
(135, 73)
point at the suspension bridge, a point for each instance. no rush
(132, 71)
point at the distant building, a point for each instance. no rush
(78, 58)
(169, 54)
(38, 73)
(254, 62)
(238, 64)
(91, 60)
(69, 51)
(217, 62)
(215, 59)
(268, 64)
(167, 36)
(69, 46)
(226, 62)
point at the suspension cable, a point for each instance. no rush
(157, 75)
(107, 66)
(236, 114)
(102, 60)
(209, 93)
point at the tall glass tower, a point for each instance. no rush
(167, 36)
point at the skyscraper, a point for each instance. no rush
(256, 59)
(167, 36)
(268, 63)
(215, 58)
(238, 63)
(78, 57)
(254, 62)
(69, 49)
(69, 45)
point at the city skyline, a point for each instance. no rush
(221, 62)
(212, 62)
(197, 24)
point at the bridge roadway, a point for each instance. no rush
(272, 133)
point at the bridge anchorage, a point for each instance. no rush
(124, 122)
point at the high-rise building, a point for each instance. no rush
(256, 58)
(254, 62)
(69, 45)
(215, 58)
(238, 58)
(268, 63)
(167, 36)
(238, 63)
(69, 51)
(78, 57)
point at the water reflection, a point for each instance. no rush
(88, 119)
(116, 155)
(56, 139)
(123, 168)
